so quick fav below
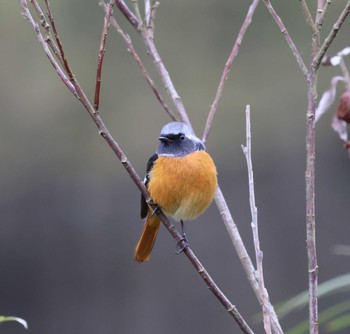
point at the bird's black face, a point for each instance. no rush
(178, 145)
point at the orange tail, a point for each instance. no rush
(145, 245)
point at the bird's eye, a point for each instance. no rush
(182, 137)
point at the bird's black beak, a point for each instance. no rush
(165, 140)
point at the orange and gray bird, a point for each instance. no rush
(181, 179)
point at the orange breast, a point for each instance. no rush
(183, 187)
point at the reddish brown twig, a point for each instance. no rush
(101, 53)
(58, 42)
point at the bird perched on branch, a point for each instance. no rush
(181, 179)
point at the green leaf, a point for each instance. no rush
(339, 323)
(19, 320)
(334, 285)
(325, 317)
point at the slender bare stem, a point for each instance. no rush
(130, 16)
(288, 38)
(308, 16)
(126, 38)
(247, 150)
(44, 45)
(329, 39)
(147, 36)
(48, 38)
(321, 15)
(227, 67)
(101, 53)
(59, 44)
(310, 202)
(137, 9)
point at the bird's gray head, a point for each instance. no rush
(178, 139)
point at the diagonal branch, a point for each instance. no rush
(130, 16)
(45, 46)
(147, 36)
(288, 38)
(59, 44)
(137, 58)
(329, 39)
(227, 67)
(308, 17)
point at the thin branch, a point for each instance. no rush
(321, 13)
(148, 9)
(59, 44)
(137, 9)
(227, 67)
(101, 54)
(103, 131)
(329, 39)
(147, 36)
(310, 202)
(244, 257)
(164, 74)
(231, 309)
(130, 16)
(308, 16)
(247, 150)
(48, 39)
(288, 38)
(137, 58)
(26, 13)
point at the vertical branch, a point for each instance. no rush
(101, 54)
(310, 201)
(247, 150)
(232, 56)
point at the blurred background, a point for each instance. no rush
(70, 213)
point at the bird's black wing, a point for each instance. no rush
(144, 206)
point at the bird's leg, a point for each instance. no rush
(183, 243)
